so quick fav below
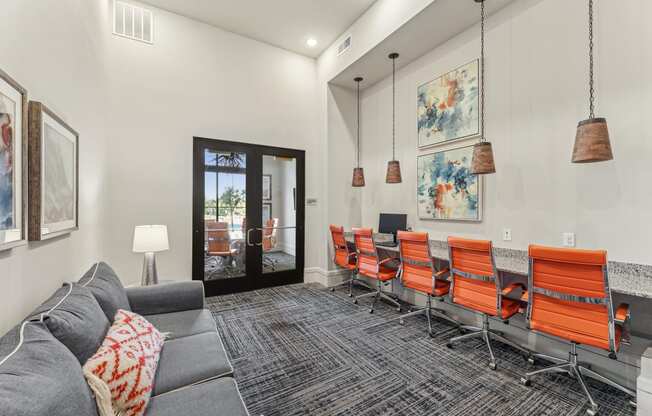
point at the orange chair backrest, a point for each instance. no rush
(475, 283)
(219, 240)
(569, 295)
(416, 261)
(269, 232)
(366, 248)
(341, 254)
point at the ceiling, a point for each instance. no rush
(284, 23)
(433, 26)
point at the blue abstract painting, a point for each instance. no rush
(447, 107)
(446, 188)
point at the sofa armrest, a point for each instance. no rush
(166, 297)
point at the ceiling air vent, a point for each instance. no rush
(344, 46)
(133, 22)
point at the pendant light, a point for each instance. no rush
(483, 154)
(358, 172)
(393, 166)
(592, 139)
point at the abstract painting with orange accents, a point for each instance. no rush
(448, 107)
(446, 188)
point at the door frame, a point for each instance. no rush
(254, 277)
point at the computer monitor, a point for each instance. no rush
(391, 223)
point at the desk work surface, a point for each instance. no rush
(626, 278)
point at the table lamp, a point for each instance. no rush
(150, 239)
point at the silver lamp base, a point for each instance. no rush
(150, 276)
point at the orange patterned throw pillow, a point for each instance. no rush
(121, 373)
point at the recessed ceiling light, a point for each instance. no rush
(311, 42)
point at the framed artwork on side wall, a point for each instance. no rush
(267, 212)
(13, 173)
(446, 189)
(448, 107)
(53, 174)
(267, 187)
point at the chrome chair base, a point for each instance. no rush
(487, 334)
(350, 282)
(429, 311)
(379, 294)
(579, 371)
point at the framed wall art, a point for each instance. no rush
(267, 212)
(53, 174)
(448, 107)
(446, 188)
(13, 172)
(267, 187)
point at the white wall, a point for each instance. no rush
(197, 80)
(536, 94)
(55, 50)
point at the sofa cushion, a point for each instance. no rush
(189, 360)
(214, 398)
(75, 318)
(183, 324)
(107, 289)
(39, 376)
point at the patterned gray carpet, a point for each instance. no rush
(302, 350)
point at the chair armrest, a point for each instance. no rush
(388, 259)
(525, 296)
(166, 297)
(512, 287)
(442, 272)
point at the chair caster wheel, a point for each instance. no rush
(332, 289)
(398, 309)
(371, 311)
(355, 301)
(350, 295)
(526, 382)
(493, 366)
(431, 335)
(402, 322)
(592, 412)
(530, 360)
(462, 331)
(449, 345)
(632, 404)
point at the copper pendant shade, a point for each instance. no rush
(592, 142)
(483, 159)
(393, 166)
(482, 162)
(358, 172)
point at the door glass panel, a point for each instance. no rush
(225, 207)
(279, 214)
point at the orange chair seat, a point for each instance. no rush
(347, 266)
(424, 285)
(222, 253)
(384, 273)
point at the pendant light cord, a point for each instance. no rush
(591, 82)
(358, 123)
(482, 18)
(394, 108)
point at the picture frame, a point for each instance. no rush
(53, 154)
(448, 107)
(267, 212)
(267, 187)
(13, 166)
(446, 188)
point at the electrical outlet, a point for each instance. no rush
(568, 239)
(507, 234)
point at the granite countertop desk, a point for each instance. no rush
(626, 278)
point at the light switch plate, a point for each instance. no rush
(568, 239)
(311, 202)
(507, 234)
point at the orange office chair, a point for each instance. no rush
(569, 298)
(476, 285)
(269, 242)
(370, 265)
(219, 241)
(345, 258)
(418, 273)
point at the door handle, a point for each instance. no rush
(248, 237)
(261, 237)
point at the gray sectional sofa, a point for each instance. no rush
(41, 358)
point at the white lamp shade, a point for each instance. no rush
(150, 238)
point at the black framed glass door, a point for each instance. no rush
(248, 215)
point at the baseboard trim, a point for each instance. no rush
(324, 277)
